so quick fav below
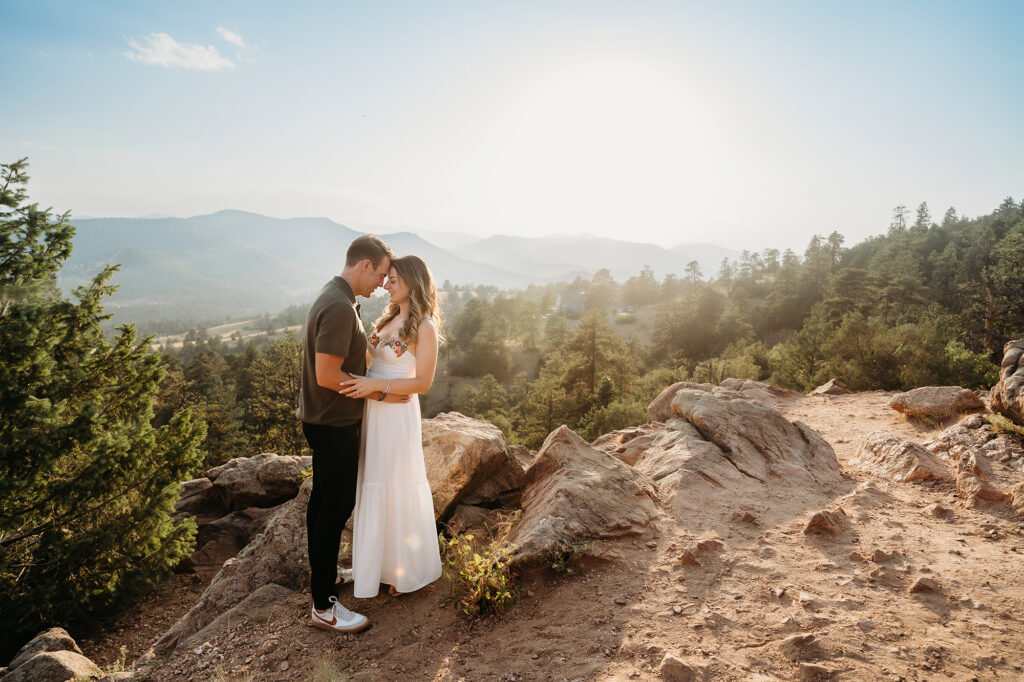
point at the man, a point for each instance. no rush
(335, 348)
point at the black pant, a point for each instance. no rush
(335, 467)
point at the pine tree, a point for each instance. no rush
(275, 385)
(87, 484)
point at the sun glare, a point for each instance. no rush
(608, 145)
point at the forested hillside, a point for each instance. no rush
(925, 303)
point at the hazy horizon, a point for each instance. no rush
(748, 126)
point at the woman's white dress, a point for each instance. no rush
(394, 537)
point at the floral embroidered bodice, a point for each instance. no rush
(390, 357)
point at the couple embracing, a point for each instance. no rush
(361, 417)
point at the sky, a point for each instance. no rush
(750, 125)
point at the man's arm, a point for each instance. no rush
(329, 375)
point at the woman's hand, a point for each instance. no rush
(361, 387)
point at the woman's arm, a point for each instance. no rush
(426, 364)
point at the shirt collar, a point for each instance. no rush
(346, 289)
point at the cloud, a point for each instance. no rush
(162, 50)
(231, 37)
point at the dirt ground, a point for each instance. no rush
(846, 598)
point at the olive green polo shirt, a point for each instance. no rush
(333, 327)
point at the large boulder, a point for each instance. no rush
(265, 480)
(629, 444)
(757, 439)
(54, 666)
(54, 639)
(1008, 394)
(575, 494)
(277, 555)
(890, 457)
(461, 455)
(721, 444)
(937, 403)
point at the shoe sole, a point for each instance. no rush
(331, 628)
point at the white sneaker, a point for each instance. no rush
(339, 619)
(344, 576)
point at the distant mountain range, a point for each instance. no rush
(236, 263)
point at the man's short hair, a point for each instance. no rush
(368, 247)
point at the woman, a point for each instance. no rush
(395, 540)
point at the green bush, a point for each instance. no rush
(479, 579)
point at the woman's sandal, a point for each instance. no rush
(393, 592)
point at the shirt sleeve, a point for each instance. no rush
(334, 330)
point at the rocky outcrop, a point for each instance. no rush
(265, 480)
(504, 484)
(1007, 395)
(830, 387)
(461, 455)
(51, 656)
(628, 444)
(721, 443)
(223, 538)
(575, 494)
(890, 457)
(660, 409)
(257, 605)
(759, 390)
(200, 498)
(937, 403)
(973, 434)
(277, 555)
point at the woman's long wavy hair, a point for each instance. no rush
(423, 301)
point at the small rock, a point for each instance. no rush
(925, 585)
(621, 601)
(744, 517)
(827, 521)
(938, 509)
(283, 666)
(809, 601)
(790, 647)
(866, 625)
(690, 555)
(811, 672)
(880, 556)
(652, 544)
(677, 609)
(674, 669)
